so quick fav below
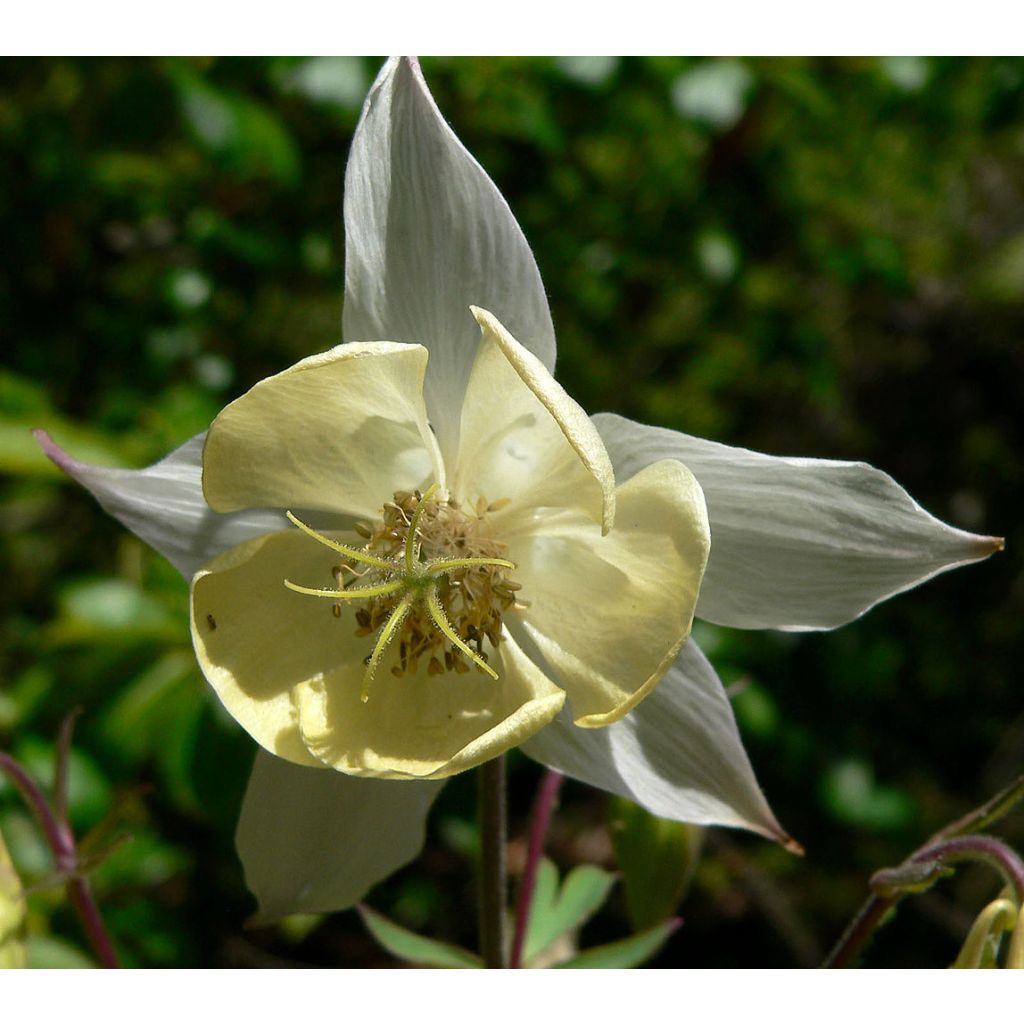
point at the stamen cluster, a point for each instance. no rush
(428, 575)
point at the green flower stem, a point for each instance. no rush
(987, 814)
(493, 874)
(61, 769)
(61, 841)
(543, 808)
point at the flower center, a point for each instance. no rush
(428, 575)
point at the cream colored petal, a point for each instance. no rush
(610, 614)
(13, 911)
(423, 726)
(255, 639)
(340, 432)
(523, 438)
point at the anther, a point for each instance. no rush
(419, 588)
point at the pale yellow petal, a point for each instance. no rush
(423, 726)
(610, 615)
(523, 438)
(340, 431)
(12, 913)
(255, 639)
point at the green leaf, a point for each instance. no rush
(1001, 276)
(47, 952)
(89, 790)
(714, 92)
(143, 860)
(25, 841)
(545, 893)
(334, 81)
(854, 797)
(657, 859)
(25, 405)
(629, 952)
(98, 609)
(556, 911)
(243, 134)
(135, 725)
(413, 948)
(20, 454)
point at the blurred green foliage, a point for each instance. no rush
(817, 257)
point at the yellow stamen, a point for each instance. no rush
(447, 564)
(416, 586)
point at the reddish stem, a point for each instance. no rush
(543, 808)
(980, 847)
(57, 835)
(89, 914)
(61, 841)
(944, 851)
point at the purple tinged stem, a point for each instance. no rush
(946, 851)
(57, 834)
(543, 807)
(988, 849)
(61, 841)
(89, 914)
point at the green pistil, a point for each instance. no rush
(354, 553)
(385, 635)
(442, 623)
(415, 580)
(410, 538)
(347, 595)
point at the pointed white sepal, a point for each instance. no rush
(427, 235)
(164, 505)
(798, 543)
(313, 840)
(678, 754)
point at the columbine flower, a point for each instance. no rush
(393, 643)
(377, 533)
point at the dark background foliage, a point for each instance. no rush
(814, 257)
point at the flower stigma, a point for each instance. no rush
(428, 575)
